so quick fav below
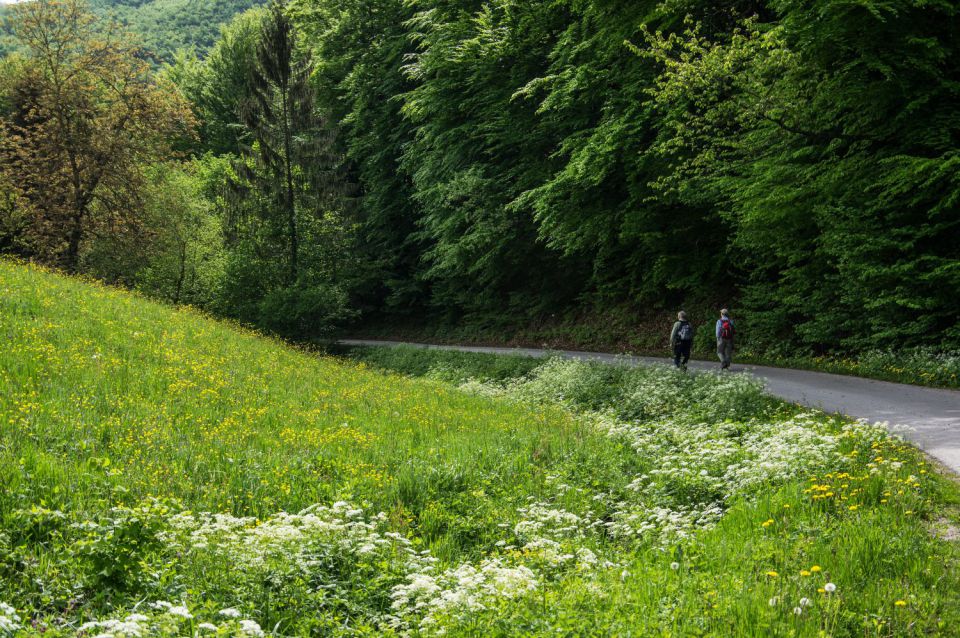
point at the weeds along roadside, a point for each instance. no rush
(923, 366)
(859, 499)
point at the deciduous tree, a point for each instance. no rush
(86, 117)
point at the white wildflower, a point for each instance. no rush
(180, 611)
(9, 625)
(251, 628)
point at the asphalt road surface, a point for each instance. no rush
(928, 417)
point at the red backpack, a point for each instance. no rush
(726, 329)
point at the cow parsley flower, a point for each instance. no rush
(251, 628)
(181, 611)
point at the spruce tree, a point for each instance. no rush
(289, 162)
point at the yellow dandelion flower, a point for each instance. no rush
(816, 568)
(804, 572)
(767, 523)
(901, 603)
(772, 574)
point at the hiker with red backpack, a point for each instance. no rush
(681, 340)
(725, 333)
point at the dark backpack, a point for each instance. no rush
(726, 329)
(685, 331)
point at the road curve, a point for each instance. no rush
(928, 417)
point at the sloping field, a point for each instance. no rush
(166, 474)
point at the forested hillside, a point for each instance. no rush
(505, 163)
(164, 26)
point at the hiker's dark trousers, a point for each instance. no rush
(681, 353)
(725, 352)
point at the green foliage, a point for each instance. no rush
(360, 48)
(169, 26)
(115, 549)
(304, 312)
(219, 84)
(84, 115)
(656, 154)
(599, 200)
(833, 163)
(559, 162)
(645, 393)
(187, 260)
(919, 366)
(452, 366)
(287, 195)
(163, 27)
(640, 393)
(475, 151)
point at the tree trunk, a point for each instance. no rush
(290, 201)
(183, 273)
(79, 209)
(72, 259)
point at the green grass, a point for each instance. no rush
(917, 366)
(497, 497)
(446, 365)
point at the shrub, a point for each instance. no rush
(304, 311)
(645, 393)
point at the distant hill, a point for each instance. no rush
(168, 25)
(163, 25)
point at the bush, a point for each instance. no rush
(645, 393)
(444, 365)
(304, 311)
(635, 393)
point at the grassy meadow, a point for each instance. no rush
(164, 473)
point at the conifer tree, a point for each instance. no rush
(290, 164)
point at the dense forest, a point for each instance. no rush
(163, 27)
(456, 161)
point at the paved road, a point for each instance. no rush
(931, 416)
